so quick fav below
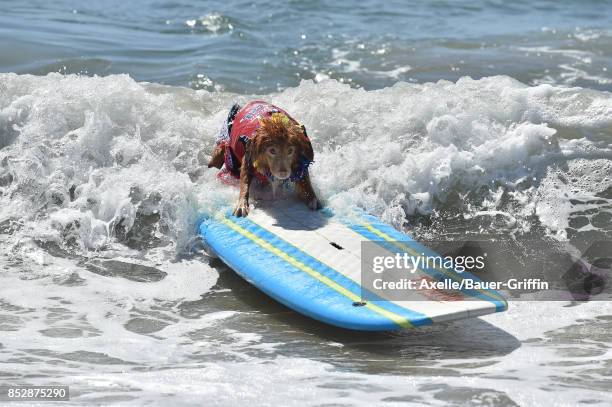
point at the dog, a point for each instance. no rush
(262, 142)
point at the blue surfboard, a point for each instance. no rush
(311, 262)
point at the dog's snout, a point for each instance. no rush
(283, 171)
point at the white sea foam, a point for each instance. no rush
(131, 150)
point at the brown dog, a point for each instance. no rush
(261, 141)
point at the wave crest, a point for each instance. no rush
(92, 162)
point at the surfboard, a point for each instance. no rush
(312, 263)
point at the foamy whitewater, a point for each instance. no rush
(105, 287)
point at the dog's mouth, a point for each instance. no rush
(282, 175)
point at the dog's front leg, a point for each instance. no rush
(242, 206)
(305, 192)
(218, 157)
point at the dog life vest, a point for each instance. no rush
(240, 126)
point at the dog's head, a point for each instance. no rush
(279, 146)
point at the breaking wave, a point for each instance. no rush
(105, 163)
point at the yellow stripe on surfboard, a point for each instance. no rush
(410, 250)
(398, 319)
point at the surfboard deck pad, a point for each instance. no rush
(310, 261)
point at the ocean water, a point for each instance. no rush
(446, 119)
(257, 47)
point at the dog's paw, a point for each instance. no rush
(242, 208)
(314, 204)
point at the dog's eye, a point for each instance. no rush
(290, 150)
(272, 151)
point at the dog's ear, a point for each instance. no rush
(306, 146)
(254, 148)
(249, 152)
(256, 145)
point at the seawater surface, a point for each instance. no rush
(246, 47)
(104, 285)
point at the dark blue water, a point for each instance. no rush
(246, 47)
